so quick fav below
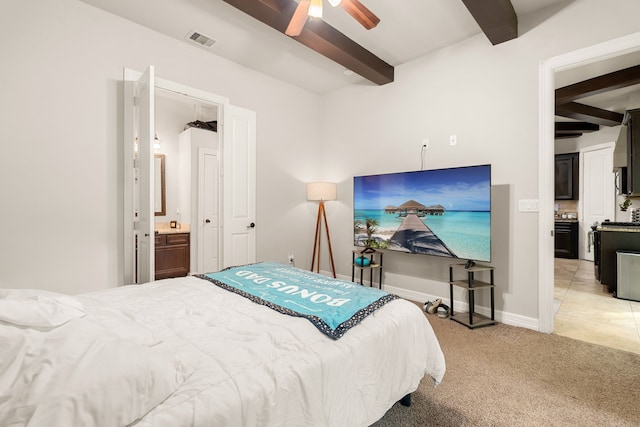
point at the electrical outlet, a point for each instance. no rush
(291, 259)
(453, 140)
(425, 143)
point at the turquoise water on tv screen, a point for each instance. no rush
(466, 233)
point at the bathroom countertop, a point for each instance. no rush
(164, 228)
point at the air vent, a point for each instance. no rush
(200, 39)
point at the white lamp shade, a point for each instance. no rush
(322, 191)
(334, 3)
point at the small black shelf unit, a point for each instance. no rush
(472, 319)
(375, 262)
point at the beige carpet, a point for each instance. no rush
(507, 376)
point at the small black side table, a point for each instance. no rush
(375, 262)
(472, 319)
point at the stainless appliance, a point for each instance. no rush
(628, 273)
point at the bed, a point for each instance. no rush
(189, 352)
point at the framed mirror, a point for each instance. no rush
(159, 196)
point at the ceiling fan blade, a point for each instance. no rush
(298, 19)
(360, 13)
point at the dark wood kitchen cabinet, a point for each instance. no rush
(172, 255)
(566, 176)
(566, 239)
(612, 241)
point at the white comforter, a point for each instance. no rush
(242, 364)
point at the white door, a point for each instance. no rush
(598, 193)
(208, 210)
(146, 213)
(239, 186)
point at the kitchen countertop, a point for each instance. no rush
(565, 220)
(620, 228)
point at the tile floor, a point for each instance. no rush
(586, 311)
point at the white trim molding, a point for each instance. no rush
(463, 307)
(460, 306)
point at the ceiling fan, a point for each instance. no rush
(313, 8)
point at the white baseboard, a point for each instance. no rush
(460, 306)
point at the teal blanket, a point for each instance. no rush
(333, 306)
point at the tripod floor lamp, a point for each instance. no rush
(321, 192)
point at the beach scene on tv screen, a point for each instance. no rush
(443, 212)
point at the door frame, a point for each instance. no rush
(546, 113)
(131, 76)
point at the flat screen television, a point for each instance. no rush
(441, 212)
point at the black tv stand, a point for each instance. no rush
(472, 320)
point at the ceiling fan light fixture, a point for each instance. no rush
(334, 3)
(315, 8)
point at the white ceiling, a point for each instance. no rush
(407, 30)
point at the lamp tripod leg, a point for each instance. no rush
(326, 225)
(316, 240)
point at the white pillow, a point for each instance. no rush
(38, 309)
(80, 374)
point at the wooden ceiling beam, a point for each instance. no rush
(324, 39)
(565, 96)
(597, 85)
(572, 127)
(496, 18)
(321, 37)
(589, 114)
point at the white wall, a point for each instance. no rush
(487, 96)
(61, 162)
(61, 138)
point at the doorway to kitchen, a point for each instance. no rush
(546, 273)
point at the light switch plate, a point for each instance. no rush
(528, 205)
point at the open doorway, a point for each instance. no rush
(186, 129)
(548, 71)
(232, 151)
